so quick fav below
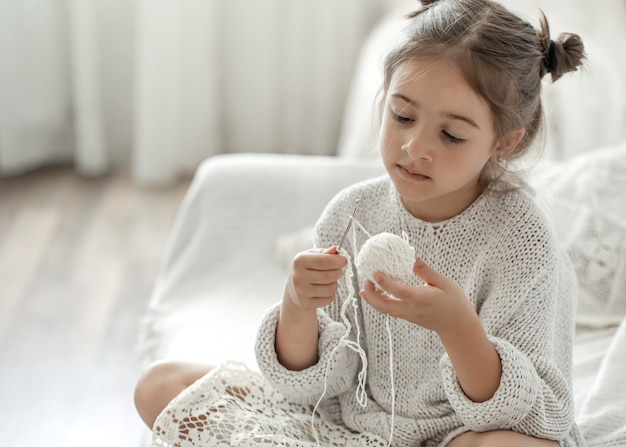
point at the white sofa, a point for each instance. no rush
(245, 216)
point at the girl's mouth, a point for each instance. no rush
(412, 174)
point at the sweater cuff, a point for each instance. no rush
(306, 386)
(512, 401)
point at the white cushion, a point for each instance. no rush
(586, 196)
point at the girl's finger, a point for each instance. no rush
(392, 287)
(320, 260)
(379, 300)
(428, 274)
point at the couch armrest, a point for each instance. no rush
(219, 259)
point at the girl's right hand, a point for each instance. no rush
(313, 277)
(312, 283)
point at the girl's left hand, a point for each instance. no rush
(439, 305)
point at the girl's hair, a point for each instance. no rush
(500, 55)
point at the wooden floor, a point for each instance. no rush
(78, 258)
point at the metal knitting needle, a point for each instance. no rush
(345, 233)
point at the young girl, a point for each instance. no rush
(475, 348)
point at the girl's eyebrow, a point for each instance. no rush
(451, 115)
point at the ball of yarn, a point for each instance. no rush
(387, 253)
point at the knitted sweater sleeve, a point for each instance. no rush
(528, 316)
(336, 369)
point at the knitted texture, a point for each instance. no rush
(500, 251)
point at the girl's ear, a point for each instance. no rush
(506, 147)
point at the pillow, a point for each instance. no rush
(586, 197)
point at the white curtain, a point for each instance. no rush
(34, 84)
(156, 86)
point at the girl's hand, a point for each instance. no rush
(312, 281)
(439, 305)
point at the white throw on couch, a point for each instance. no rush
(245, 216)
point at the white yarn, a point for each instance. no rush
(391, 254)
(387, 253)
(384, 252)
(361, 394)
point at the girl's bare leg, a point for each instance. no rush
(161, 383)
(499, 438)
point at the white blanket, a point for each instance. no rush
(602, 416)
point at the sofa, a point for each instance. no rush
(245, 216)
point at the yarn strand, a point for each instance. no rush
(393, 255)
(361, 394)
(391, 379)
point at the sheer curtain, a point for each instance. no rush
(35, 100)
(156, 86)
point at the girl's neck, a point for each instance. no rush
(445, 207)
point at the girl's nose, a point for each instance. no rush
(418, 148)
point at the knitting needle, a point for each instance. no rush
(345, 233)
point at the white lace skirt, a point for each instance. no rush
(235, 406)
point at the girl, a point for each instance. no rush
(473, 350)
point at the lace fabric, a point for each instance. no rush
(236, 407)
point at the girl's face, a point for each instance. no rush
(437, 135)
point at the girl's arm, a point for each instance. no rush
(312, 284)
(441, 306)
(333, 373)
(296, 346)
(296, 337)
(475, 360)
(297, 340)
(522, 381)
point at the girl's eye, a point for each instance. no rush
(400, 118)
(452, 139)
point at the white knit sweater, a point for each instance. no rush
(502, 252)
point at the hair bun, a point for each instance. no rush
(562, 56)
